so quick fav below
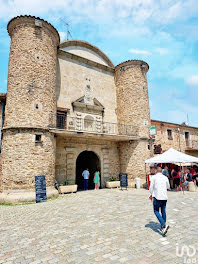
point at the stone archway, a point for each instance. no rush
(86, 159)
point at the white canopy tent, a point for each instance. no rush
(173, 156)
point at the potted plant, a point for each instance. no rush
(113, 183)
(66, 187)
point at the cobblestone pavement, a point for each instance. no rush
(105, 226)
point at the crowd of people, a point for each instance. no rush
(178, 176)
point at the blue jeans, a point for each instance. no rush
(86, 184)
(157, 204)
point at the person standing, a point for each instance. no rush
(176, 179)
(97, 179)
(158, 193)
(189, 176)
(86, 175)
(165, 171)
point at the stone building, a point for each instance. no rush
(67, 108)
(178, 136)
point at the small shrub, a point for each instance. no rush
(66, 182)
(113, 179)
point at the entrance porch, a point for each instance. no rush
(73, 155)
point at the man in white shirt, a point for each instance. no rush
(158, 192)
(85, 175)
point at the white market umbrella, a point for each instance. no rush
(173, 156)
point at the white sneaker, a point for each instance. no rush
(165, 230)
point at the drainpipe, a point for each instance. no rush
(178, 129)
(1, 124)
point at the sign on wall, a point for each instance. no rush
(152, 131)
(40, 187)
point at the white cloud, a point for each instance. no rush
(193, 80)
(62, 36)
(162, 51)
(140, 11)
(141, 52)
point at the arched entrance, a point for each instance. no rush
(86, 159)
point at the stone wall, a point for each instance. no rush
(133, 109)
(23, 158)
(86, 50)
(67, 152)
(73, 78)
(30, 103)
(31, 98)
(0, 122)
(178, 137)
(0, 173)
(85, 53)
(0, 111)
(132, 157)
(132, 96)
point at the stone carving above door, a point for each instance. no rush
(87, 104)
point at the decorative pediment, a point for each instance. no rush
(81, 105)
(87, 51)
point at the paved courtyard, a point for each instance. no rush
(105, 226)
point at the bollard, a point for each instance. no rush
(191, 187)
(137, 183)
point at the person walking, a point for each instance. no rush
(86, 175)
(97, 179)
(158, 193)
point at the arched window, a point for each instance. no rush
(89, 123)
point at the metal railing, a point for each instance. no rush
(76, 124)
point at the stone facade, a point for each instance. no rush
(32, 74)
(133, 109)
(182, 137)
(38, 158)
(28, 147)
(2, 114)
(132, 96)
(65, 100)
(73, 86)
(68, 150)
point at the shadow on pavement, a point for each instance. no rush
(154, 226)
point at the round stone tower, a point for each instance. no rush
(28, 147)
(133, 111)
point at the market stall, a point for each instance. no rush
(171, 156)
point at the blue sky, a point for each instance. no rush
(164, 33)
